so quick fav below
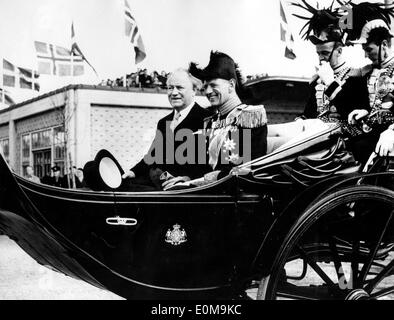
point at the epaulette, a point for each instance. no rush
(361, 72)
(251, 117)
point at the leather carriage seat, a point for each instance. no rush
(286, 134)
(297, 137)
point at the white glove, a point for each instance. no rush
(385, 144)
(325, 73)
(173, 181)
(356, 115)
(128, 174)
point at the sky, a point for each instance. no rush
(174, 32)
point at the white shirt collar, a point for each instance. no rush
(184, 112)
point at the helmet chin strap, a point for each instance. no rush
(380, 55)
(330, 56)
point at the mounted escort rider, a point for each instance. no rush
(371, 29)
(237, 133)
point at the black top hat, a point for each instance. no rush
(371, 22)
(220, 66)
(322, 26)
(55, 168)
(104, 173)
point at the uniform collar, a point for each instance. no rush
(229, 105)
(389, 60)
(340, 68)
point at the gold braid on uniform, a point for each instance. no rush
(380, 116)
(251, 117)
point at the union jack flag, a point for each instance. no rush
(76, 51)
(285, 34)
(132, 32)
(57, 61)
(5, 97)
(18, 77)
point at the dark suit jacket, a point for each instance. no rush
(61, 182)
(353, 95)
(164, 150)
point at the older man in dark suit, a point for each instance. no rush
(174, 154)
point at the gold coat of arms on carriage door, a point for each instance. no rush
(176, 236)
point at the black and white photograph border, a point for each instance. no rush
(87, 94)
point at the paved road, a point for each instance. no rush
(21, 277)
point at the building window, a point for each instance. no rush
(41, 146)
(5, 149)
(25, 152)
(59, 148)
(42, 163)
(41, 139)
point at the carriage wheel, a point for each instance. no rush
(341, 247)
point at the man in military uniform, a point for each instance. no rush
(335, 89)
(237, 132)
(371, 29)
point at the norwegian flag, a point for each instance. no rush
(17, 77)
(58, 61)
(132, 32)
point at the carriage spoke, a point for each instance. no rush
(374, 282)
(337, 261)
(354, 264)
(382, 293)
(348, 256)
(374, 250)
(291, 291)
(316, 267)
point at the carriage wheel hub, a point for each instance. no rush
(357, 294)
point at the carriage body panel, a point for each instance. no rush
(201, 242)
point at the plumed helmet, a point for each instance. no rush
(322, 26)
(370, 22)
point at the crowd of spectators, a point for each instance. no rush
(143, 79)
(139, 79)
(256, 77)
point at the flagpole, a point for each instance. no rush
(72, 51)
(33, 75)
(2, 82)
(72, 67)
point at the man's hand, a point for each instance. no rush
(170, 182)
(356, 115)
(385, 144)
(325, 73)
(130, 174)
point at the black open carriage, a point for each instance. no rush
(299, 223)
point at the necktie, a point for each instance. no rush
(175, 121)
